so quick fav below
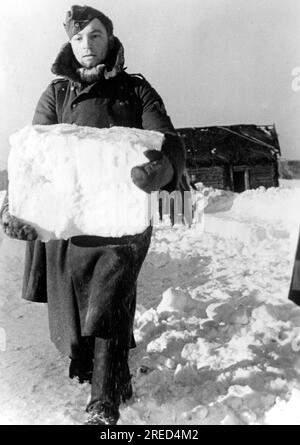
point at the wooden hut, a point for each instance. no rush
(235, 157)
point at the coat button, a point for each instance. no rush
(74, 105)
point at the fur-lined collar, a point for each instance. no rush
(67, 66)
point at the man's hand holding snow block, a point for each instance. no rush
(67, 180)
(155, 174)
(14, 227)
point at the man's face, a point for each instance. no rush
(90, 46)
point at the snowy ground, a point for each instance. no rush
(217, 339)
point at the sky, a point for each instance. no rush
(214, 62)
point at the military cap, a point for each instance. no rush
(80, 16)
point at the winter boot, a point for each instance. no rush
(103, 413)
(103, 408)
(83, 371)
(81, 367)
(123, 376)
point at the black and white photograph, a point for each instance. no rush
(150, 214)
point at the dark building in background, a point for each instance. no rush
(236, 157)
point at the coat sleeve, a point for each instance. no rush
(155, 117)
(45, 112)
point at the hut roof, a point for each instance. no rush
(234, 144)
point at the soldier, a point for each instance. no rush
(89, 282)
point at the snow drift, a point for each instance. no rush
(252, 216)
(67, 180)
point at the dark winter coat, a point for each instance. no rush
(90, 282)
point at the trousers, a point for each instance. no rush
(91, 288)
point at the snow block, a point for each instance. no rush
(67, 180)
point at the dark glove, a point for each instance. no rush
(153, 175)
(15, 227)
